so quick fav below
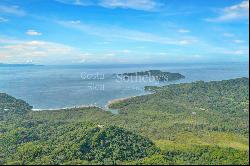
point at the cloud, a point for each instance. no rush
(237, 52)
(183, 31)
(75, 21)
(243, 5)
(185, 42)
(76, 2)
(32, 32)
(2, 20)
(125, 51)
(35, 48)
(233, 13)
(45, 52)
(145, 5)
(13, 50)
(110, 33)
(239, 41)
(228, 34)
(15, 10)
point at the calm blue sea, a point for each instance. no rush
(51, 87)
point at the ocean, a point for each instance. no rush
(54, 87)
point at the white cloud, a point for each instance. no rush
(75, 21)
(186, 42)
(35, 49)
(243, 5)
(76, 2)
(237, 52)
(183, 31)
(110, 33)
(147, 5)
(15, 10)
(228, 34)
(6, 40)
(45, 52)
(32, 32)
(162, 53)
(119, 52)
(12, 50)
(125, 51)
(2, 20)
(233, 13)
(239, 41)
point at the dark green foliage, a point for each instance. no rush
(11, 107)
(115, 144)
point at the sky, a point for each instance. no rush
(123, 31)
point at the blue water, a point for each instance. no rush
(51, 87)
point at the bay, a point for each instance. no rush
(54, 87)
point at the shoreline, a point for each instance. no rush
(66, 108)
(125, 98)
(119, 100)
(112, 101)
(105, 108)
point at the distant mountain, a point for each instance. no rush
(16, 65)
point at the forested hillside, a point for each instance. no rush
(192, 123)
(158, 75)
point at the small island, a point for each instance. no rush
(158, 75)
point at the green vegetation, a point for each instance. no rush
(12, 108)
(191, 123)
(156, 74)
(113, 144)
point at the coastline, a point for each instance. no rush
(119, 100)
(105, 108)
(67, 108)
(123, 99)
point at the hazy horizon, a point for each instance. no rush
(128, 64)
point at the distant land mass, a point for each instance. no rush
(17, 65)
(157, 74)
